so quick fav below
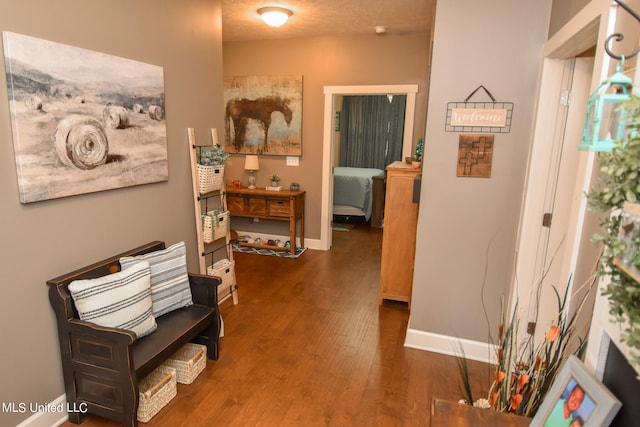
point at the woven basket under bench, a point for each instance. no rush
(155, 391)
(189, 361)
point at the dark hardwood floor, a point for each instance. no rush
(308, 345)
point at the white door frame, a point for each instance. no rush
(326, 210)
(590, 26)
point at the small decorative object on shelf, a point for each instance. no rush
(275, 179)
(294, 186)
(416, 162)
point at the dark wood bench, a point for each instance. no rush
(101, 366)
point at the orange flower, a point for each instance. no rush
(500, 330)
(500, 376)
(493, 398)
(516, 401)
(553, 333)
(522, 380)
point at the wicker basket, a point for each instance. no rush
(210, 178)
(155, 391)
(215, 225)
(224, 269)
(189, 361)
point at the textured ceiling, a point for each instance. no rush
(311, 18)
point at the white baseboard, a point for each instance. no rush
(451, 346)
(55, 415)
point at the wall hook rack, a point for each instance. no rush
(619, 36)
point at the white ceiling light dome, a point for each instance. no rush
(274, 16)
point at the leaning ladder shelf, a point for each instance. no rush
(208, 253)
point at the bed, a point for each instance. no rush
(354, 192)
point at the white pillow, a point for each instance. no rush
(170, 288)
(119, 300)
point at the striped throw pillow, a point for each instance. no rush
(118, 300)
(170, 288)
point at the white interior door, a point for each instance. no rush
(564, 196)
(553, 209)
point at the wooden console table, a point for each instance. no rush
(446, 414)
(284, 205)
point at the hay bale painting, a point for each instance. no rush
(263, 115)
(81, 142)
(155, 112)
(33, 102)
(115, 117)
(83, 136)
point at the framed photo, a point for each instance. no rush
(576, 399)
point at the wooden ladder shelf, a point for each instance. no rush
(210, 253)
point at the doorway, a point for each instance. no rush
(554, 245)
(328, 149)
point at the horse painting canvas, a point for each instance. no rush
(263, 115)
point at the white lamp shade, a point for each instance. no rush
(274, 16)
(251, 163)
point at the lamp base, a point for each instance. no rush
(252, 180)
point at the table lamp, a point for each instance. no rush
(251, 164)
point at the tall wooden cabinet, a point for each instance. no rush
(399, 235)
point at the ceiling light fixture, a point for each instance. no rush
(274, 16)
(380, 29)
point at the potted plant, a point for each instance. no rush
(618, 183)
(210, 168)
(294, 186)
(275, 179)
(212, 156)
(416, 161)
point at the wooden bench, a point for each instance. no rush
(101, 366)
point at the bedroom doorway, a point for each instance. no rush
(328, 151)
(368, 136)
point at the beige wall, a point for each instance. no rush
(324, 61)
(467, 228)
(562, 11)
(45, 239)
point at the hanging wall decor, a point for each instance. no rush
(490, 117)
(475, 155)
(263, 115)
(82, 121)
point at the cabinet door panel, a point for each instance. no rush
(257, 206)
(235, 205)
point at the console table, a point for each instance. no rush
(283, 205)
(446, 414)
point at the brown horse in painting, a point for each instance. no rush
(239, 111)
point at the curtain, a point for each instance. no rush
(372, 130)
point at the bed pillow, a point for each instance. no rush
(170, 287)
(118, 300)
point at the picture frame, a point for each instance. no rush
(263, 115)
(82, 121)
(597, 407)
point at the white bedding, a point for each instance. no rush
(352, 190)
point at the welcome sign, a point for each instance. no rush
(478, 117)
(489, 117)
